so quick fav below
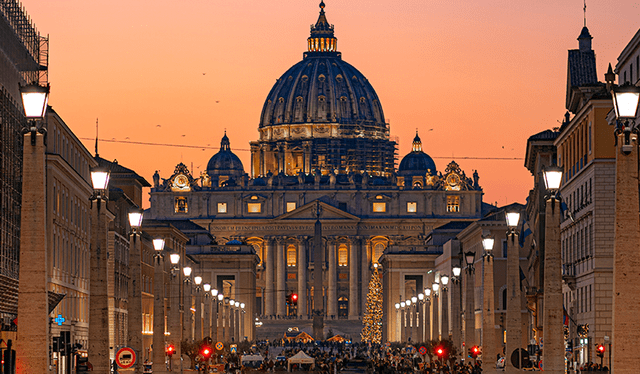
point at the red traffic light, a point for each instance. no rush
(600, 348)
(205, 352)
(170, 350)
(440, 351)
(294, 297)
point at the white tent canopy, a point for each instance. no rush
(300, 358)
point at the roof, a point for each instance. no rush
(544, 135)
(582, 68)
(120, 171)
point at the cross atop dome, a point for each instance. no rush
(322, 38)
(417, 144)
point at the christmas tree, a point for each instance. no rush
(372, 321)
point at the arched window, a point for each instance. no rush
(342, 255)
(343, 307)
(291, 255)
(378, 250)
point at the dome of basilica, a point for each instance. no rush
(322, 88)
(225, 162)
(417, 162)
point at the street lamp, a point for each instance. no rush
(34, 100)
(552, 323)
(187, 273)
(488, 300)
(445, 281)
(206, 287)
(626, 236)
(514, 299)
(158, 306)
(470, 258)
(135, 322)
(33, 346)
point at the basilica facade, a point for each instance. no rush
(323, 154)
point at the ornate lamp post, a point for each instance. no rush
(626, 319)
(198, 314)
(435, 311)
(214, 314)
(158, 308)
(187, 316)
(220, 315)
(444, 306)
(175, 328)
(514, 298)
(99, 305)
(206, 323)
(488, 316)
(135, 294)
(469, 307)
(427, 315)
(32, 346)
(242, 312)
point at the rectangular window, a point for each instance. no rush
(291, 255)
(222, 207)
(504, 249)
(291, 206)
(181, 205)
(453, 204)
(342, 255)
(412, 207)
(379, 207)
(254, 207)
(589, 137)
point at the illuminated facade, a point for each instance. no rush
(323, 146)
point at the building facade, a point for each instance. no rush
(323, 151)
(20, 63)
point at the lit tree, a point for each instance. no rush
(372, 321)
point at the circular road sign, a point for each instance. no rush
(423, 350)
(125, 357)
(219, 346)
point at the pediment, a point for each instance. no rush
(308, 212)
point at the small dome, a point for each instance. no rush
(225, 162)
(417, 162)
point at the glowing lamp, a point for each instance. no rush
(174, 258)
(625, 101)
(214, 292)
(99, 179)
(444, 279)
(456, 270)
(512, 219)
(552, 178)
(206, 287)
(158, 244)
(197, 280)
(186, 271)
(34, 100)
(135, 219)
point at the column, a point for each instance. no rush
(469, 308)
(552, 324)
(444, 316)
(302, 276)
(236, 313)
(134, 304)
(418, 322)
(489, 341)
(175, 330)
(227, 322)
(514, 301)
(98, 305)
(403, 325)
(187, 316)
(365, 273)
(214, 318)
(353, 278)
(232, 323)
(206, 321)
(32, 345)
(198, 314)
(435, 316)
(332, 275)
(427, 319)
(269, 281)
(456, 315)
(158, 316)
(281, 285)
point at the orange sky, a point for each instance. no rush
(483, 74)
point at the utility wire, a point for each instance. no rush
(248, 150)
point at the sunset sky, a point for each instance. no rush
(475, 77)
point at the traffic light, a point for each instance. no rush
(440, 352)
(600, 350)
(474, 351)
(82, 364)
(205, 352)
(294, 298)
(170, 350)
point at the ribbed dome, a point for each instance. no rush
(417, 162)
(322, 88)
(225, 162)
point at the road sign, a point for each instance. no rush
(219, 346)
(234, 348)
(125, 357)
(423, 350)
